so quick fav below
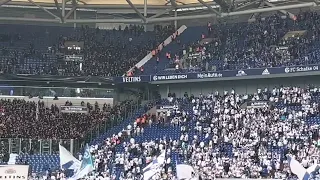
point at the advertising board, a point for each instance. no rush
(14, 172)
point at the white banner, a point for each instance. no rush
(149, 56)
(14, 171)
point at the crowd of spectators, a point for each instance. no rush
(222, 135)
(29, 119)
(268, 42)
(105, 52)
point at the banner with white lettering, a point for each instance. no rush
(257, 104)
(167, 107)
(131, 79)
(220, 74)
(301, 69)
(78, 58)
(14, 172)
(170, 77)
(74, 44)
(74, 109)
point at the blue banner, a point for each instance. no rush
(219, 74)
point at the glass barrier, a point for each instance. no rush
(65, 143)
(56, 91)
(25, 145)
(55, 146)
(34, 146)
(4, 148)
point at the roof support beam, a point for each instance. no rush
(295, 6)
(104, 21)
(247, 5)
(165, 19)
(29, 19)
(4, 2)
(55, 16)
(58, 9)
(174, 3)
(292, 16)
(57, 5)
(74, 7)
(161, 13)
(136, 10)
(253, 16)
(209, 7)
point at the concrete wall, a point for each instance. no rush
(240, 86)
(76, 101)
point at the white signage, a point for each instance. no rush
(170, 77)
(14, 172)
(241, 73)
(301, 69)
(265, 72)
(78, 58)
(131, 79)
(208, 75)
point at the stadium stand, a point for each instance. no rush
(210, 48)
(222, 134)
(25, 120)
(220, 47)
(42, 122)
(35, 49)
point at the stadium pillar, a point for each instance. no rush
(175, 21)
(20, 145)
(253, 16)
(71, 146)
(145, 13)
(75, 17)
(63, 8)
(136, 10)
(9, 144)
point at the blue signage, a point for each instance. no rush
(219, 74)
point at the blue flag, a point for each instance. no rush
(86, 165)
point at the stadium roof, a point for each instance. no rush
(147, 11)
(120, 2)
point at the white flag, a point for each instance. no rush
(297, 169)
(67, 161)
(154, 167)
(185, 171)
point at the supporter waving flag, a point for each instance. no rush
(67, 161)
(299, 170)
(154, 167)
(86, 165)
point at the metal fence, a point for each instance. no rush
(56, 91)
(36, 146)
